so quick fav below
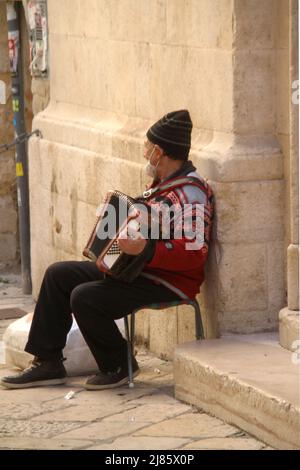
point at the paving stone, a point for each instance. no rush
(105, 430)
(225, 443)
(158, 397)
(139, 390)
(142, 443)
(148, 375)
(32, 443)
(156, 380)
(190, 425)
(37, 394)
(113, 397)
(96, 397)
(23, 428)
(83, 412)
(26, 410)
(149, 413)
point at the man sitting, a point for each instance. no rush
(172, 271)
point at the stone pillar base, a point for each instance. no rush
(289, 328)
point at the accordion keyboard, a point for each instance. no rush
(112, 255)
(114, 249)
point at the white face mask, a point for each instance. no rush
(151, 170)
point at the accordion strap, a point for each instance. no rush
(172, 184)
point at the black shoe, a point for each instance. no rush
(114, 379)
(40, 373)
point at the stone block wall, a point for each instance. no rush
(8, 209)
(40, 89)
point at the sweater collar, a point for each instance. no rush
(184, 170)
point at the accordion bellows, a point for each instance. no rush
(117, 212)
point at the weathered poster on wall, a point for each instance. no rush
(36, 16)
(13, 50)
(2, 92)
(13, 38)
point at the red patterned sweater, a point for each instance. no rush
(179, 269)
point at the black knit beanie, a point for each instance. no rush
(173, 134)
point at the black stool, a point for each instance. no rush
(199, 332)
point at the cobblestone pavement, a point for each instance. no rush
(145, 417)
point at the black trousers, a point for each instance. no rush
(78, 287)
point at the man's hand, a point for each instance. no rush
(133, 245)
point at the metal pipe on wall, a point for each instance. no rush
(15, 60)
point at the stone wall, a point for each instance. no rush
(289, 317)
(117, 66)
(40, 89)
(36, 98)
(8, 210)
(283, 96)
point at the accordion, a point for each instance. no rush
(117, 213)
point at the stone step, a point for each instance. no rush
(246, 380)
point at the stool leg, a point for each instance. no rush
(132, 332)
(129, 352)
(198, 322)
(132, 337)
